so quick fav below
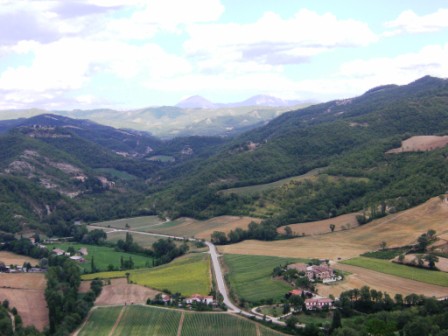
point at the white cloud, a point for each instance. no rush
(409, 22)
(274, 40)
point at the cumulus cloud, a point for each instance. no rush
(274, 40)
(409, 22)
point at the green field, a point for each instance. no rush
(100, 322)
(187, 275)
(134, 223)
(146, 320)
(162, 158)
(403, 271)
(268, 186)
(104, 256)
(250, 277)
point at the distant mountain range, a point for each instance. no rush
(259, 100)
(193, 116)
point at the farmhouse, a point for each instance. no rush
(58, 251)
(199, 299)
(77, 258)
(318, 303)
(314, 272)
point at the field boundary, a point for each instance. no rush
(117, 321)
(181, 323)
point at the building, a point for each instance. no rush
(318, 303)
(315, 272)
(199, 299)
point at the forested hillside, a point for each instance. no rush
(348, 138)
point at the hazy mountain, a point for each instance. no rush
(196, 102)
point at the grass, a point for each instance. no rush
(147, 320)
(317, 318)
(387, 254)
(250, 277)
(104, 256)
(187, 275)
(114, 173)
(140, 320)
(101, 321)
(133, 222)
(403, 271)
(243, 191)
(162, 158)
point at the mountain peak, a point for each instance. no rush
(196, 102)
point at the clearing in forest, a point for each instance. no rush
(420, 143)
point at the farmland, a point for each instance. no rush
(269, 186)
(146, 320)
(120, 292)
(413, 273)
(133, 223)
(104, 256)
(391, 284)
(421, 143)
(25, 291)
(250, 277)
(343, 222)
(14, 259)
(187, 275)
(396, 230)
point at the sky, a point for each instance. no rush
(127, 54)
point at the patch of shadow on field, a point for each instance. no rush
(120, 292)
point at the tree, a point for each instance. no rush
(292, 321)
(288, 231)
(383, 245)
(332, 227)
(431, 259)
(219, 238)
(336, 322)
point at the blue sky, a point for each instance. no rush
(128, 54)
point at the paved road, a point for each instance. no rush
(216, 268)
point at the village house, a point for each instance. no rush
(58, 251)
(199, 299)
(77, 258)
(315, 272)
(318, 303)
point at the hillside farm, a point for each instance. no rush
(147, 320)
(188, 275)
(250, 277)
(396, 230)
(421, 143)
(25, 291)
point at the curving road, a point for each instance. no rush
(216, 269)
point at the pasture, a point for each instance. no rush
(155, 321)
(402, 271)
(133, 223)
(188, 275)
(104, 256)
(25, 291)
(420, 143)
(396, 230)
(254, 189)
(250, 277)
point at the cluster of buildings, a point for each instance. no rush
(78, 256)
(195, 298)
(322, 273)
(313, 301)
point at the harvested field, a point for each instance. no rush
(120, 292)
(384, 282)
(26, 293)
(343, 222)
(11, 258)
(399, 229)
(442, 264)
(134, 223)
(421, 143)
(187, 227)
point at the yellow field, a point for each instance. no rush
(10, 258)
(343, 222)
(396, 230)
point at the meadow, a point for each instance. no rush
(403, 271)
(104, 256)
(188, 275)
(154, 321)
(250, 277)
(254, 189)
(133, 223)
